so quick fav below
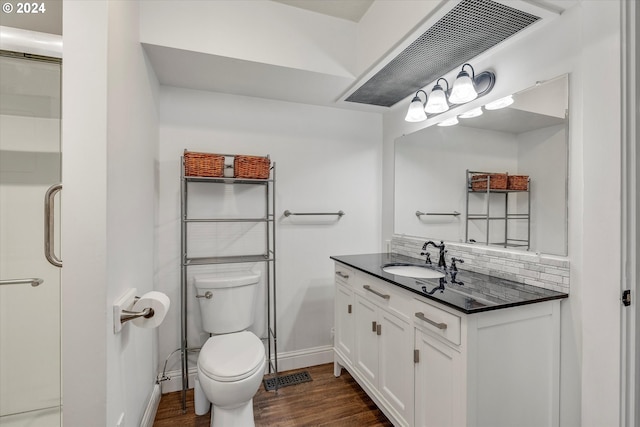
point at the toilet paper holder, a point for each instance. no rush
(126, 315)
(122, 312)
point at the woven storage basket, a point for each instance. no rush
(498, 181)
(203, 164)
(518, 182)
(252, 167)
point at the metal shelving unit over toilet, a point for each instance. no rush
(268, 257)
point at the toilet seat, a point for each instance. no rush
(231, 357)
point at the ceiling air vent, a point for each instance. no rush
(467, 30)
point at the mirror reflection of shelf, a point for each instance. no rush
(480, 184)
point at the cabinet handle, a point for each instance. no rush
(343, 275)
(373, 326)
(379, 330)
(368, 288)
(349, 309)
(421, 316)
(416, 356)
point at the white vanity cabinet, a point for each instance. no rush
(427, 364)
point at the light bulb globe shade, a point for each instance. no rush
(463, 90)
(471, 113)
(416, 111)
(437, 102)
(500, 103)
(449, 122)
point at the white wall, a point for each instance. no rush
(584, 41)
(327, 160)
(109, 204)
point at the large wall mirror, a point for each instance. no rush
(529, 137)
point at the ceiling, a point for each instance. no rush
(352, 10)
(196, 70)
(189, 69)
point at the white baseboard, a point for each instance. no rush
(305, 358)
(286, 361)
(152, 407)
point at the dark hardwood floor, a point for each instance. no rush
(324, 401)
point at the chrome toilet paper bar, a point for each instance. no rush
(127, 315)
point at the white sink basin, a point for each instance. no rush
(416, 271)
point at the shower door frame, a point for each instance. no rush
(48, 410)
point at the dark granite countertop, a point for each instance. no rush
(478, 293)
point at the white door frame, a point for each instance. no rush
(630, 402)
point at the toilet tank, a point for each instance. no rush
(231, 307)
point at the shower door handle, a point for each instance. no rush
(49, 232)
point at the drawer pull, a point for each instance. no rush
(367, 287)
(343, 275)
(421, 316)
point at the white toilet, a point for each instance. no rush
(231, 363)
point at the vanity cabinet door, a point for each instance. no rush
(395, 378)
(366, 340)
(438, 391)
(344, 322)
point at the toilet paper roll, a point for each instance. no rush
(159, 302)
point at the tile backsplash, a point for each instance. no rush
(545, 271)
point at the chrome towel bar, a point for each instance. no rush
(32, 281)
(289, 213)
(454, 213)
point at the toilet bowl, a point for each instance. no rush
(230, 370)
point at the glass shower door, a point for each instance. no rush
(30, 156)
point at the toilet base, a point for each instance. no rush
(239, 416)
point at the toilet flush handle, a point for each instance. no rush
(206, 295)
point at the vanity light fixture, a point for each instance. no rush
(449, 122)
(416, 111)
(437, 102)
(500, 103)
(466, 88)
(463, 88)
(471, 113)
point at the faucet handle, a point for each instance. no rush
(453, 263)
(428, 260)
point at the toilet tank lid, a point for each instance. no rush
(226, 280)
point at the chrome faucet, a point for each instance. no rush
(442, 262)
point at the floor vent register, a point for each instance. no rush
(285, 380)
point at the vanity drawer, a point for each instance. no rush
(344, 275)
(436, 320)
(386, 296)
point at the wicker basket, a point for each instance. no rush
(203, 164)
(252, 167)
(518, 182)
(498, 181)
